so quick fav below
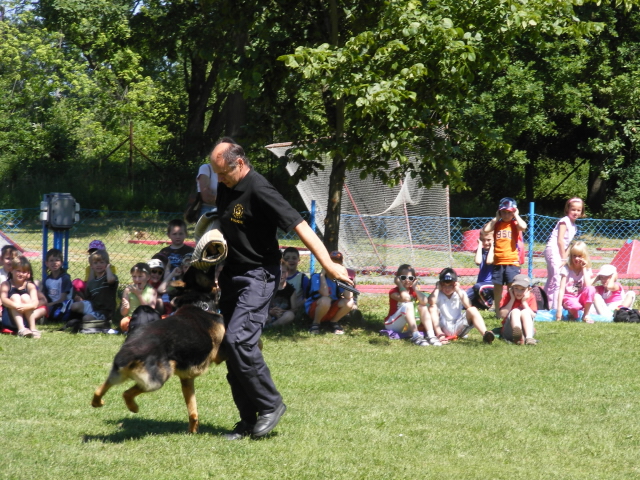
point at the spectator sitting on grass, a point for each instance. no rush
(327, 302)
(447, 306)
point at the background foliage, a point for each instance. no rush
(497, 97)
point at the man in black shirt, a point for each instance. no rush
(250, 211)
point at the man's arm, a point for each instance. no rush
(315, 245)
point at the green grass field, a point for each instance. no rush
(359, 406)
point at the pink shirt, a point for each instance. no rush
(569, 233)
(609, 296)
(575, 281)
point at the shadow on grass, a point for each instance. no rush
(138, 428)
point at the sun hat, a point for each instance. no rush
(521, 280)
(607, 270)
(508, 203)
(96, 245)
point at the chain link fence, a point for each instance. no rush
(132, 237)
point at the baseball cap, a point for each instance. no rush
(448, 275)
(521, 280)
(155, 263)
(336, 256)
(96, 245)
(607, 270)
(509, 204)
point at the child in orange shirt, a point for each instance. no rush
(506, 227)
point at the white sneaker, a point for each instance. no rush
(419, 340)
(435, 342)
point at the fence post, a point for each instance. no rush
(532, 236)
(312, 223)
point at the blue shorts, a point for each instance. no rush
(88, 310)
(504, 274)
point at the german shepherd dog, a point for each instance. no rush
(184, 344)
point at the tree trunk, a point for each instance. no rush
(335, 116)
(529, 179)
(597, 187)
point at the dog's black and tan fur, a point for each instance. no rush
(184, 344)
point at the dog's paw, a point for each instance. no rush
(193, 425)
(131, 403)
(97, 402)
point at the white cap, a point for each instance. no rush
(155, 263)
(607, 270)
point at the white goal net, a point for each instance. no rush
(382, 227)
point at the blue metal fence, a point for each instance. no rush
(131, 237)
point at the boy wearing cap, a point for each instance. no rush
(506, 227)
(451, 311)
(610, 293)
(327, 302)
(517, 310)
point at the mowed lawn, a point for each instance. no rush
(359, 406)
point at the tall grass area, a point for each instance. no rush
(359, 406)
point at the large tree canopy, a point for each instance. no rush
(511, 87)
(405, 83)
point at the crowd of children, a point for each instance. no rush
(427, 320)
(88, 305)
(572, 289)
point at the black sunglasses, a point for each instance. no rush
(157, 271)
(411, 278)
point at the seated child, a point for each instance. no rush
(177, 232)
(19, 297)
(158, 279)
(517, 310)
(576, 292)
(284, 301)
(481, 294)
(327, 302)
(136, 294)
(101, 293)
(80, 286)
(56, 287)
(8, 252)
(402, 316)
(298, 280)
(610, 294)
(447, 306)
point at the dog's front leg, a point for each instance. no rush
(189, 393)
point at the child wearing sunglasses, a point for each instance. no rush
(402, 313)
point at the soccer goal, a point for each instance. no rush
(382, 227)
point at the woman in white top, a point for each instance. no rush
(207, 181)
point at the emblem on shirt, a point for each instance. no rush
(238, 213)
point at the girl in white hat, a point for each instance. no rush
(610, 294)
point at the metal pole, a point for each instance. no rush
(532, 236)
(312, 220)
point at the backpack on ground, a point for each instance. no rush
(541, 297)
(626, 315)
